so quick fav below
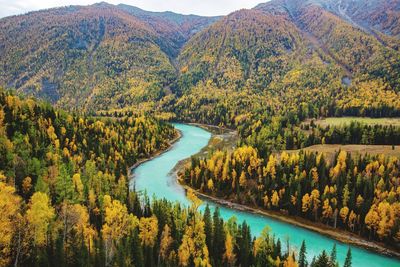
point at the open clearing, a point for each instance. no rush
(337, 121)
(355, 150)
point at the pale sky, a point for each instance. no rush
(198, 7)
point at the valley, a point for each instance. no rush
(268, 136)
(163, 184)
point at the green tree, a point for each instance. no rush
(64, 186)
(347, 262)
(322, 260)
(218, 241)
(333, 255)
(303, 255)
(208, 226)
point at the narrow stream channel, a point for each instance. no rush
(155, 178)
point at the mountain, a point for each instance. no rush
(94, 56)
(370, 15)
(283, 53)
(174, 28)
(306, 57)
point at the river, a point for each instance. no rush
(155, 177)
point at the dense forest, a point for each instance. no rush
(65, 200)
(360, 194)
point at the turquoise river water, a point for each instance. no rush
(155, 178)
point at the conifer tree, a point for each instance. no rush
(333, 255)
(347, 262)
(303, 255)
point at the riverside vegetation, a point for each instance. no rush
(65, 201)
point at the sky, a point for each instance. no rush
(198, 7)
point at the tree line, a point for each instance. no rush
(360, 195)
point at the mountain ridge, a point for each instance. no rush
(41, 52)
(106, 57)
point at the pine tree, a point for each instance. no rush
(333, 255)
(278, 249)
(313, 262)
(302, 255)
(347, 262)
(218, 243)
(208, 226)
(323, 260)
(137, 250)
(244, 244)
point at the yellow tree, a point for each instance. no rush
(210, 185)
(78, 185)
(118, 223)
(234, 177)
(27, 185)
(359, 201)
(194, 246)
(9, 210)
(343, 214)
(346, 195)
(327, 210)
(315, 202)
(305, 203)
(242, 179)
(270, 168)
(166, 243)
(81, 225)
(315, 177)
(229, 255)
(352, 220)
(386, 221)
(225, 170)
(372, 218)
(40, 214)
(275, 199)
(148, 230)
(290, 262)
(196, 202)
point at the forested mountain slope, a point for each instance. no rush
(306, 58)
(174, 28)
(91, 56)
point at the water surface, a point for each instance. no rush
(155, 178)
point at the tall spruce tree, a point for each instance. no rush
(333, 255)
(347, 262)
(208, 226)
(302, 255)
(218, 244)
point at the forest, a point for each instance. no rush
(360, 195)
(65, 199)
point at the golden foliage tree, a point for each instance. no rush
(40, 215)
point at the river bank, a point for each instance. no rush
(337, 234)
(156, 154)
(221, 139)
(154, 179)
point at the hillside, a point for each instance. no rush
(304, 58)
(91, 56)
(281, 55)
